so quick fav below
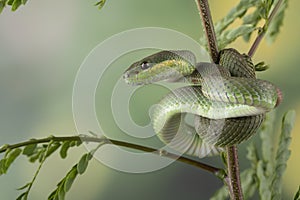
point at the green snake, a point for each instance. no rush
(228, 102)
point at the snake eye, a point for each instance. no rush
(145, 65)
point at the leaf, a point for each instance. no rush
(264, 184)
(41, 153)
(2, 166)
(83, 163)
(253, 19)
(54, 146)
(221, 193)
(261, 66)
(267, 137)
(24, 2)
(61, 193)
(10, 2)
(25, 186)
(21, 196)
(29, 149)
(249, 184)
(64, 149)
(16, 4)
(252, 154)
(78, 143)
(2, 5)
(64, 185)
(236, 12)
(70, 178)
(283, 153)
(4, 147)
(297, 195)
(249, 177)
(52, 195)
(11, 157)
(251, 12)
(100, 4)
(36, 156)
(265, 8)
(274, 26)
(230, 36)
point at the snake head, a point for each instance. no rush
(138, 72)
(161, 66)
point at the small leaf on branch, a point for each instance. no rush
(4, 147)
(64, 149)
(29, 150)
(2, 166)
(25, 186)
(252, 155)
(78, 143)
(230, 36)
(221, 193)
(10, 2)
(36, 155)
(8, 159)
(261, 66)
(274, 27)
(100, 4)
(54, 146)
(2, 5)
(83, 163)
(70, 178)
(283, 153)
(249, 184)
(61, 193)
(12, 156)
(22, 196)
(264, 186)
(253, 19)
(267, 137)
(297, 195)
(16, 4)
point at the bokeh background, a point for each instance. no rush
(42, 46)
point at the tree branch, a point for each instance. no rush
(233, 179)
(216, 171)
(209, 30)
(263, 30)
(234, 173)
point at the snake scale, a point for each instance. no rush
(227, 101)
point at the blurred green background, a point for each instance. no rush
(42, 46)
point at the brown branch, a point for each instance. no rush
(263, 30)
(233, 179)
(234, 173)
(209, 30)
(216, 171)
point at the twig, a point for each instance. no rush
(208, 25)
(234, 173)
(233, 179)
(263, 30)
(216, 171)
(38, 170)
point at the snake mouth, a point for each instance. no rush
(279, 97)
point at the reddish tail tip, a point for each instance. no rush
(279, 97)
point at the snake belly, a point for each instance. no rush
(227, 101)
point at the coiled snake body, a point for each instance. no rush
(228, 102)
